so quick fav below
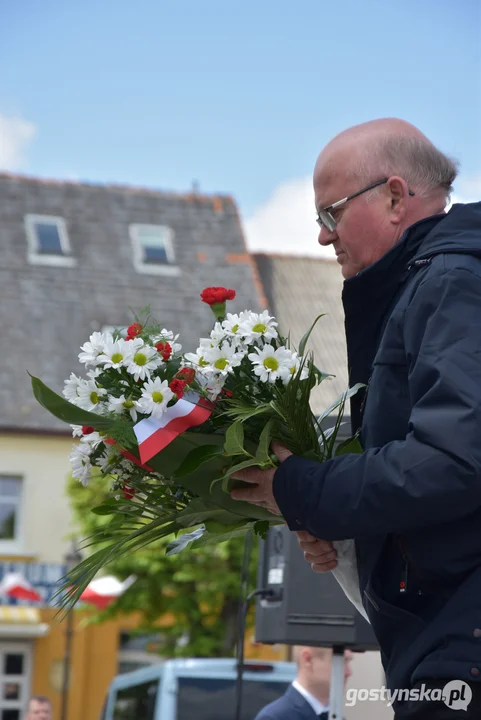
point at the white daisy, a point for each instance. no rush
(117, 354)
(287, 373)
(121, 404)
(77, 430)
(155, 396)
(80, 462)
(213, 384)
(89, 395)
(197, 359)
(217, 335)
(144, 359)
(92, 349)
(255, 326)
(107, 460)
(70, 391)
(270, 364)
(223, 359)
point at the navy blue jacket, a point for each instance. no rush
(290, 706)
(412, 500)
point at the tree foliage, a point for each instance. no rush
(195, 594)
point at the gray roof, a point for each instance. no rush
(299, 289)
(47, 312)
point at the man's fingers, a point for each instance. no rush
(252, 495)
(304, 536)
(280, 451)
(321, 547)
(249, 476)
(324, 558)
(324, 567)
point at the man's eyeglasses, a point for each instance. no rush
(325, 217)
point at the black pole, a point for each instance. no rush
(66, 664)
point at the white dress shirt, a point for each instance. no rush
(317, 706)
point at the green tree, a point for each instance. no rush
(198, 587)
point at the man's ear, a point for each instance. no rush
(398, 194)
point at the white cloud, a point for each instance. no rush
(16, 135)
(286, 223)
(467, 189)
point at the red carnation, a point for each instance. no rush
(187, 375)
(134, 330)
(227, 393)
(165, 349)
(216, 295)
(128, 491)
(178, 387)
(87, 430)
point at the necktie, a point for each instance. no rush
(324, 715)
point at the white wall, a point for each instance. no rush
(43, 463)
(367, 673)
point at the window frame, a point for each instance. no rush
(14, 546)
(146, 268)
(37, 258)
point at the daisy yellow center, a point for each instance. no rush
(157, 396)
(259, 328)
(235, 328)
(117, 357)
(202, 362)
(221, 363)
(270, 363)
(292, 370)
(140, 358)
(128, 404)
(94, 398)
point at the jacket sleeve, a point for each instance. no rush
(433, 476)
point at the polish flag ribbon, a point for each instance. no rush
(153, 435)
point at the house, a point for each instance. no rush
(74, 258)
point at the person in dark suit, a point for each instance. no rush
(308, 696)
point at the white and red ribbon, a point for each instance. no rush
(154, 435)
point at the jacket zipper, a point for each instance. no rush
(403, 582)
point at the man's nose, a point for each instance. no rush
(326, 237)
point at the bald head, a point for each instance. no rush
(385, 147)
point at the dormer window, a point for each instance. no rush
(153, 249)
(48, 242)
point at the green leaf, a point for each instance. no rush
(177, 545)
(351, 445)
(63, 410)
(234, 440)
(262, 452)
(197, 457)
(261, 528)
(105, 509)
(341, 400)
(200, 510)
(305, 337)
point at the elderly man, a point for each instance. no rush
(308, 696)
(412, 500)
(39, 708)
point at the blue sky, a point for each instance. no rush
(237, 96)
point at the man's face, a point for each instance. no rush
(39, 711)
(364, 232)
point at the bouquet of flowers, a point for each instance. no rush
(168, 429)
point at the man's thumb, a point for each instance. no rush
(280, 451)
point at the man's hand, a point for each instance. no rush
(261, 491)
(319, 553)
